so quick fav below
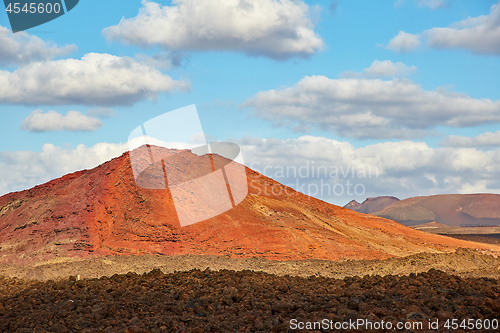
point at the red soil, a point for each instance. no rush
(102, 211)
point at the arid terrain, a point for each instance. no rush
(247, 301)
(485, 235)
(443, 229)
(93, 252)
(464, 262)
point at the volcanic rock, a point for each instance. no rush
(229, 301)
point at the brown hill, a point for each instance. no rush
(467, 210)
(352, 205)
(102, 211)
(371, 205)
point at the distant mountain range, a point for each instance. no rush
(464, 210)
(371, 205)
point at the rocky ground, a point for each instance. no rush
(244, 301)
(218, 294)
(462, 262)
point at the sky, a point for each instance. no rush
(339, 99)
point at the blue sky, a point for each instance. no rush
(334, 83)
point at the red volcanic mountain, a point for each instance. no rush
(102, 211)
(466, 210)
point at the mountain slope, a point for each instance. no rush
(450, 209)
(102, 211)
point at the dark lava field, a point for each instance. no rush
(247, 301)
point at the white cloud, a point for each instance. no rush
(381, 69)
(101, 112)
(52, 121)
(313, 165)
(402, 169)
(480, 186)
(481, 34)
(95, 79)
(21, 170)
(371, 108)
(404, 42)
(433, 4)
(272, 28)
(21, 48)
(487, 139)
(388, 68)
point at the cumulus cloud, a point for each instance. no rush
(433, 4)
(332, 170)
(278, 29)
(323, 167)
(480, 35)
(404, 42)
(95, 79)
(52, 121)
(22, 48)
(101, 112)
(388, 68)
(20, 170)
(371, 108)
(381, 69)
(485, 140)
